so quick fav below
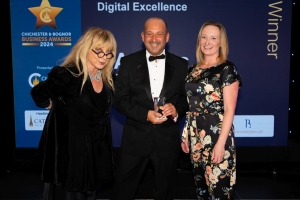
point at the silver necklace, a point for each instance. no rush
(97, 77)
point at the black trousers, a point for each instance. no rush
(89, 195)
(49, 194)
(131, 169)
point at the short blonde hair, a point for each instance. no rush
(224, 47)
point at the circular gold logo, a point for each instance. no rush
(44, 15)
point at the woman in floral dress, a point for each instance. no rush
(212, 86)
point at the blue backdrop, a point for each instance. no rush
(43, 31)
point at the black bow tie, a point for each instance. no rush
(151, 58)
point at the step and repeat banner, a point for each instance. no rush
(259, 32)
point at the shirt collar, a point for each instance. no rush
(148, 54)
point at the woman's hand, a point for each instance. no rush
(185, 146)
(218, 154)
(50, 105)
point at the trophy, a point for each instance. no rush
(159, 101)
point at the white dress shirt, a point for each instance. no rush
(156, 70)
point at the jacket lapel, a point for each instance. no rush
(144, 73)
(169, 70)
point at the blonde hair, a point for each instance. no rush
(224, 47)
(93, 37)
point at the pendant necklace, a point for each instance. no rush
(96, 77)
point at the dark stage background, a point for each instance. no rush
(271, 156)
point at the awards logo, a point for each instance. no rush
(45, 14)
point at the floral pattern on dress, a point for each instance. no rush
(203, 125)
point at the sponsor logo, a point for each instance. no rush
(35, 78)
(35, 119)
(254, 125)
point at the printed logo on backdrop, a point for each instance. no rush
(46, 15)
(254, 125)
(36, 78)
(35, 119)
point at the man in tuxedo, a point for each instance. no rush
(149, 135)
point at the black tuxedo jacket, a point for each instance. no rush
(133, 99)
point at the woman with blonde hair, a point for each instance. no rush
(75, 148)
(212, 86)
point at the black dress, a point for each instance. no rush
(203, 125)
(75, 149)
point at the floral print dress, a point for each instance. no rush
(203, 125)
